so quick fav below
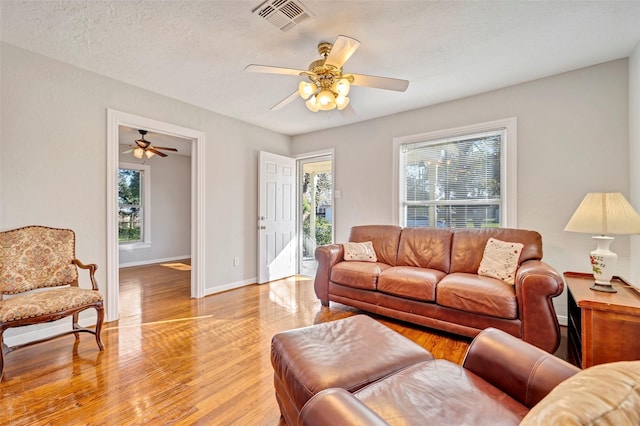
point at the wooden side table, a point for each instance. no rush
(603, 327)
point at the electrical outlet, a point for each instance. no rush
(236, 261)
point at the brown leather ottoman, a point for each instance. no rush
(349, 353)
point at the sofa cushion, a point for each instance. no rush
(385, 239)
(363, 252)
(606, 394)
(440, 390)
(425, 248)
(477, 294)
(468, 246)
(500, 260)
(358, 274)
(410, 282)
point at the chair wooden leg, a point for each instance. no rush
(100, 312)
(75, 325)
(2, 350)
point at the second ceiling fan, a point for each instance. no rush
(143, 147)
(328, 85)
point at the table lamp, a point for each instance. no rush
(604, 213)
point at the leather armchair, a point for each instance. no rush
(513, 374)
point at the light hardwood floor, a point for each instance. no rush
(173, 360)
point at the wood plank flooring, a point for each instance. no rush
(173, 360)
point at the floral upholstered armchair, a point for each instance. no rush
(39, 283)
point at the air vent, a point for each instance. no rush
(284, 14)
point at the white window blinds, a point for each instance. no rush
(452, 182)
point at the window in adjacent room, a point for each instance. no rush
(458, 178)
(133, 205)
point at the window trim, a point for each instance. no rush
(508, 173)
(146, 206)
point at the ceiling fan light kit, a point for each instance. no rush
(139, 152)
(143, 148)
(328, 87)
(328, 90)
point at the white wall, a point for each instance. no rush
(53, 156)
(567, 125)
(170, 188)
(53, 160)
(634, 154)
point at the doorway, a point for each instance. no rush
(316, 209)
(116, 119)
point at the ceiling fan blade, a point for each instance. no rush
(285, 101)
(341, 51)
(161, 154)
(129, 151)
(166, 149)
(380, 82)
(273, 70)
(348, 111)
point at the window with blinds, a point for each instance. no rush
(453, 182)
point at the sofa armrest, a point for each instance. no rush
(336, 406)
(327, 256)
(536, 284)
(519, 369)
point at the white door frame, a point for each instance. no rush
(302, 157)
(114, 120)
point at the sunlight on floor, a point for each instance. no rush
(159, 322)
(177, 266)
(302, 278)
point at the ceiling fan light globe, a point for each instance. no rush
(149, 154)
(342, 102)
(138, 152)
(311, 104)
(306, 89)
(342, 86)
(325, 100)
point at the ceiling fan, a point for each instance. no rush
(144, 147)
(328, 86)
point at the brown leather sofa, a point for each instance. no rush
(428, 276)
(500, 380)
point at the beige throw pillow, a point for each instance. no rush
(362, 252)
(606, 394)
(500, 260)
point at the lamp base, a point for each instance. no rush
(603, 262)
(607, 288)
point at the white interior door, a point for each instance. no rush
(276, 217)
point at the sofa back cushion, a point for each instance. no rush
(385, 239)
(469, 243)
(425, 248)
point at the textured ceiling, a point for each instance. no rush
(196, 51)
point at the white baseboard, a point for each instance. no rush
(13, 336)
(152, 261)
(229, 286)
(563, 320)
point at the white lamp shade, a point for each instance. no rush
(342, 86)
(342, 102)
(311, 104)
(325, 100)
(306, 89)
(604, 213)
(149, 154)
(138, 152)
